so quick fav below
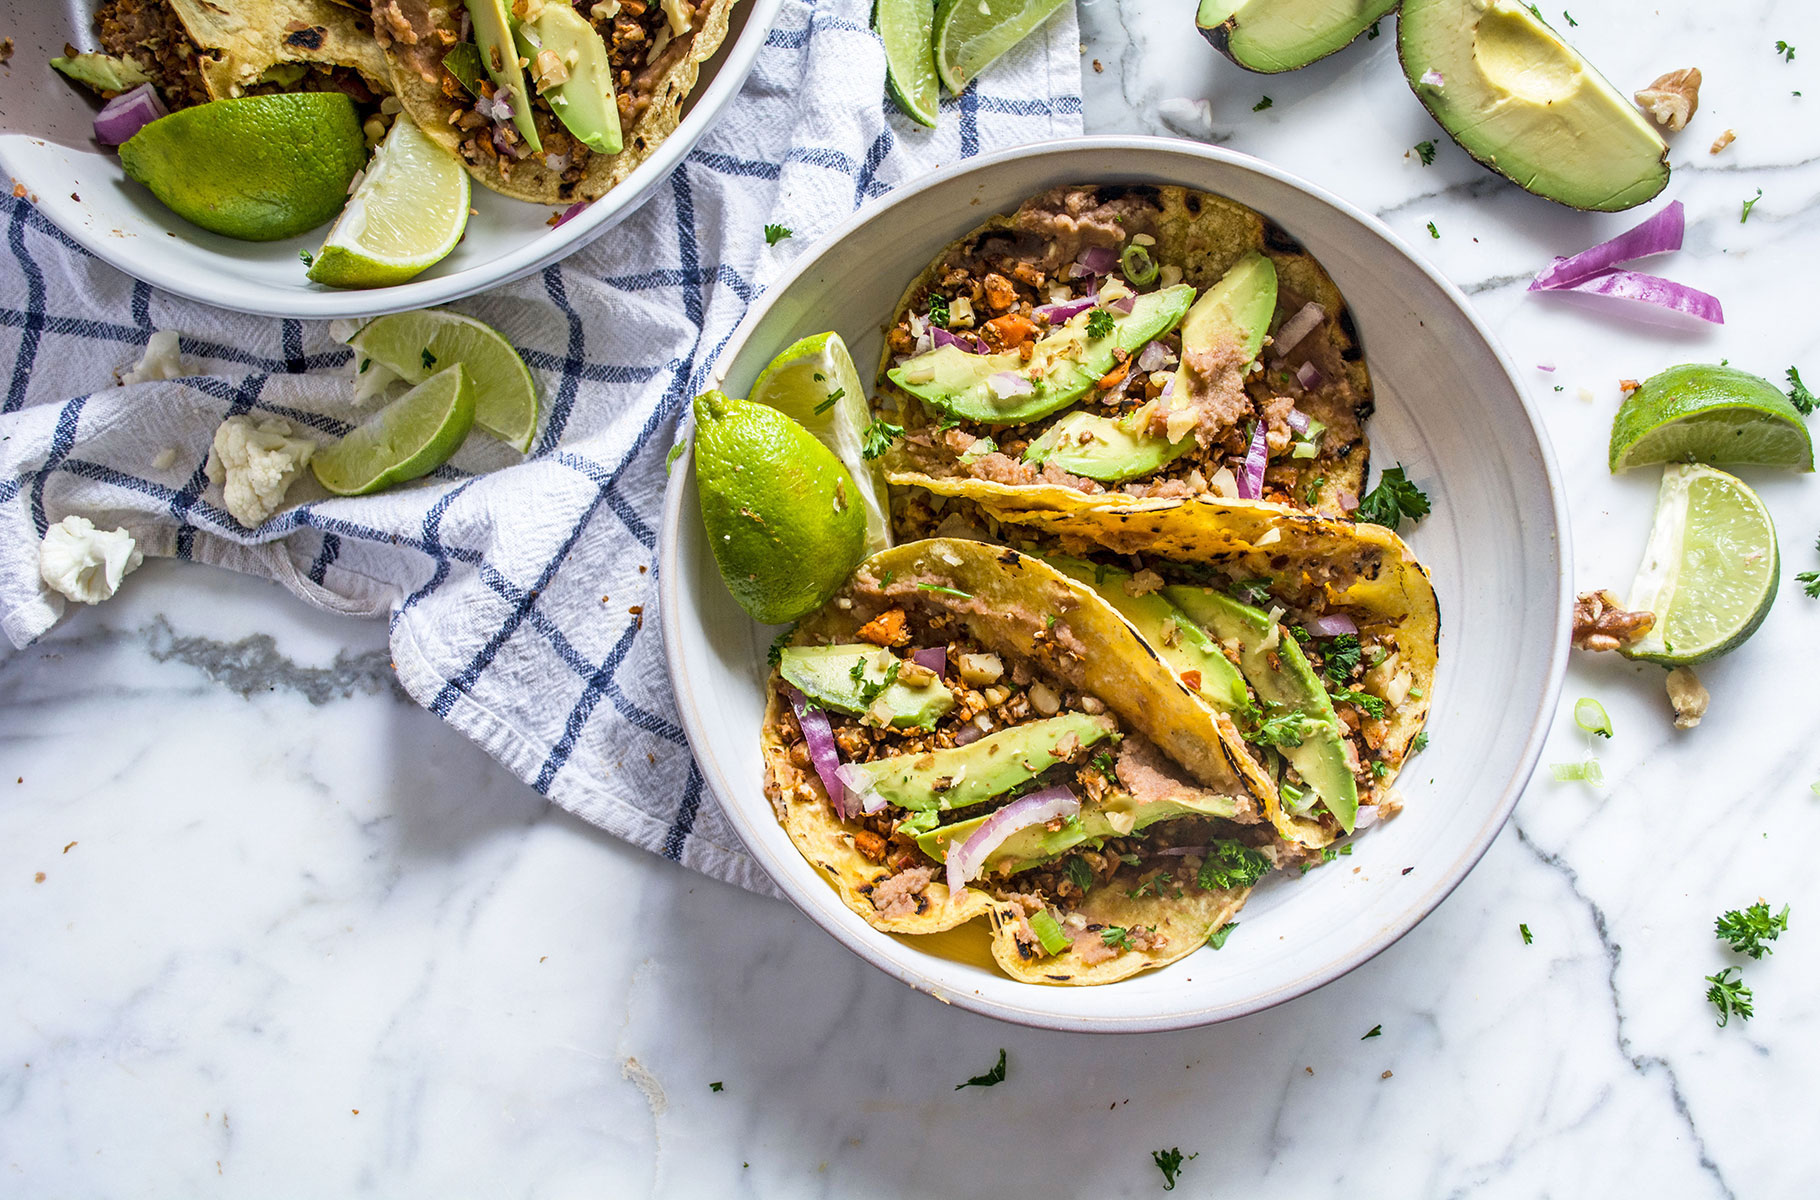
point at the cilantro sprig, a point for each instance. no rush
(1729, 996)
(1395, 498)
(1748, 929)
(1231, 864)
(1169, 1162)
(878, 438)
(1798, 395)
(990, 1079)
(1099, 323)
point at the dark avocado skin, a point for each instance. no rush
(1219, 36)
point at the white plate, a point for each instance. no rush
(1448, 408)
(85, 193)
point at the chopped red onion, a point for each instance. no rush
(823, 753)
(1057, 313)
(924, 344)
(1251, 479)
(570, 213)
(128, 113)
(1004, 384)
(1549, 367)
(1348, 501)
(1332, 625)
(1124, 304)
(942, 337)
(933, 657)
(1297, 420)
(967, 859)
(507, 149)
(1154, 357)
(1658, 235)
(1309, 377)
(1651, 289)
(1298, 327)
(556, 162)
(858, 790)
(1099, 260)
(1434, 78)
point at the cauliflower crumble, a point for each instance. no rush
(255, 460)
(84, 563)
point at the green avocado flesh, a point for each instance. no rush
(1284, 681)
(1524, 103)
(825, 675)
(1118, 815)
(1113, 449)
(1269, 36)
(1064, 366)
(976, 773)
(584, 101)
(499, 55)
(103, 72)
(1187, 649)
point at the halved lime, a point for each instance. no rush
(815, 384)
(416, 345)
(1710, 571)
(407, 439)
(1704, 413)
(907, 27)
(970, 34)
(406, 215)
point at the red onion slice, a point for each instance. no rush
(1251, 479)
(1154, 357)
(1298, 327)
(943, 338)
(1124, 304)
(1651, 289)
(1005, 384)
(1658, 235)
(1434, 78)
(1098, 260)
(857, 787)
(1058, 313)
(823, 753)
(570, 213)
(1549, 367)
(966, 860)
(1332, 625)
(1297, 420)
(1308, 377)
(933, 657)
(128, 113)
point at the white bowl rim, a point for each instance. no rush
(736, 62)
(899, 965)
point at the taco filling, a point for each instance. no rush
(1148, 341)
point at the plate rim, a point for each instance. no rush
(670, 613)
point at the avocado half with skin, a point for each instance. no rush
(1526, 104)
(1272, 36)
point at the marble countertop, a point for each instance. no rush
(271, 930)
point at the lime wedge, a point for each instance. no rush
(1710, 571)
(800, 383)
(407, 439)
(970, 34)
(415, 345)
(907, 27)
(1703, 413)
(406, 215)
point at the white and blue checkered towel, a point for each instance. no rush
(513, 588)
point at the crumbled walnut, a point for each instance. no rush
(1688, 695)
(1722, 141)
(1601, 623)
(1627, 386)
(1673, 98)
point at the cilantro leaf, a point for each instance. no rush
(1079, 873)
(1099, 323)
(878, 437)
(1570, 19)
(776, 654)
(1374, 1031)
(306, 258)
(717, 1087)
(1433, 232)
(1748, 929)
(1785, 50)
(1729, 996)
(1419, 743)
(1119, 937)
(676, 452)
(1263, 104)
(1231, 864)
(1343, 654)
(1372, 706)
(938, 310)
(1748, 205)
(1169, 1162)
(1393, 499)
(1218, 937)
(1810, 583)
(429, 360)
(833, 399)
(1798, 395)
(775, 234)
(1284, 729)
(1426, 152)
(995, 1076)
(1524, 930)
(1373, 33)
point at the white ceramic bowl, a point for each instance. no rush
(1448, 409)
(88, 196)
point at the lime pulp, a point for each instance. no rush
(907, 29)
(406, 215)
(1698, 412)
(407, 439)
(971, 34)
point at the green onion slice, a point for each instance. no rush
(1138, 266)
(1582, 772)
(1048, 932)
(1589, 715)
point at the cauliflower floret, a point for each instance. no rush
(161, 360)
(255, 460)
(85, 563)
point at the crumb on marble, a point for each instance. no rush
(38, 878)
(1689, 697)
(1098, 67)
(69, 847)
(1385, 1075)
(1722, 141)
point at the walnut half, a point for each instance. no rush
(1673, 98)
(1601, 623)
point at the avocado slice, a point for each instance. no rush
(499, 55)
(1525, 104)
(1283, 680)
(1065, 364)
(1114, 449)
(1117, 815)
(584, 101)
(825, 675)
(975, 773)
(103, 72)
(1268, 36)
(1189, 650)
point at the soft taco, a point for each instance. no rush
(194, 51)
(547, 100)
(964, 732)
(1114, 343)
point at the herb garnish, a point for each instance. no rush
(1231, 864)
(1524, 930)
(1102, 762)
(1426, 152)
(716, 1087)
(1263, 104)
(1785, 50)
(1375, 1031)
(868, 692)
(938, 310)
(995, 1076)
(878, 438)
(1371, 35)
(429, 360)
(1255, 592)
(1748, 929)
(1169, 1162)
(1798, 395)
(1118, 937)
(676, 452)
(1810, 580)
(1218, 937)
(1079, 873)
(1099, 323)
(1570, 19)
(1393, 499)
(1433, 232)
(1342, 653)
(776, 653)
(833, 399)
(1284, 729)
(1419, 743)
(1314, 489)
(775, 234)
(1365, 702)
(1748, 205)
(946, 591)
(1729, 996)
(308, 259)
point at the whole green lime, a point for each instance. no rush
(782, 514)
(259, 168)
